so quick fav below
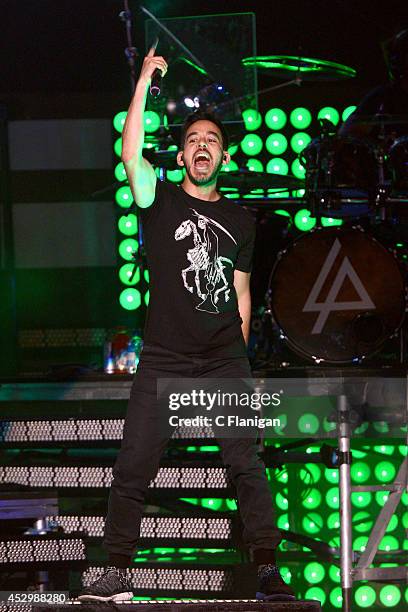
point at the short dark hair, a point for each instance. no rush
(200, 115)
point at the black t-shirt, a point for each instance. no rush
(192, 248)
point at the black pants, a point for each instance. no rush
(145, 439)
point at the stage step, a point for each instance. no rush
(232, 605)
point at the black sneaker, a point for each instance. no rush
(272, 587)
(113, 585)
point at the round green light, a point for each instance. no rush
(147, 297)
(393, 524)
(381, 497)
(117, 147)
(361, 499)
(281, 501)
(283, 522)
(385, 449)
(330, 222)
(251, 144)
(347, 112)
(336, 597)
(308, 423)
(231, 504)
(130, 299)
(311, 470)
(254, 165)
(297, 169)
(232, 149)
(304, 220)
(275, 118)
(312, 522)
(175, 176)
(334, 573)
(300, 118)
(333, 522)
(331, 475)
(128, 225)
(313, 499)
(212, 504)
(281, 475)
(384, 471)
(390, 596)
(362, 521)
(277, 165)
(252, 119)
(120, 172)
(333, 498)
(286, 574)
(365, 596)
(127, 248)
(360, 543)
(317, 594)
(329, 113)
(126, 272)
(299, 141)
(151, 121)
(314, 572)
(388, 543)
(360, 472)
(119, 121)
(124, 197)
(232, 166)
(276, 144)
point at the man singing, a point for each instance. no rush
(199, 248)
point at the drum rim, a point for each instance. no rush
(291, 343)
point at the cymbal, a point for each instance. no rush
(306, 68)
(245, 180)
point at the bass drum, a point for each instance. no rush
(337, 295)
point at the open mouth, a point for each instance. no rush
(202, 160)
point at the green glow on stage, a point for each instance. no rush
(275, 118)
(388, 543)
(120, 172)
(124, 197)
(117, 147)
(127, 248)
(254, 165)
(304, 220)
(330, 222)
(329, 113)
(130, 299)
(333, 521)
(313, 499)
(297, 169)
(390, 595)
(334, 573)
(283, 522)
(314, 572)
(128, 225)
(119, 121)
(312, 522)
(365, 596)
(333, 498)
(232, 166)
(147, 298)
(308, 423)
(232, 149)
(347, 112)
(252, 119)
(360, 472)
(276, 144)
(361, 499)
(126, 271)
(362, 521)
(331, 475)
(300, 118)
(175, 176)
(277, 165)
(281, 501)
(151, 121)
(384, 471)
(299, 141)
(251, 144)
(317, 594)
(336, 597)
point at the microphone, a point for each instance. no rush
(155, 84)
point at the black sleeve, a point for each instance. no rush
(246, 251)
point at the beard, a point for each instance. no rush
(201, 181)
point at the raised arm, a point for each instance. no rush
(142, 178)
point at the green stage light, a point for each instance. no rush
(147, 297)
(254, 165)
(404, 498)
(297, 169)
(251, 144)
(365, 596)
(313, 499)
(232, 166)
(124, 197)
(304, 221)
(281, 501)
(130, 299)
(175, 176)
(276, 144)
(281, 475)
(403, 449)
(381, 426)
(252, 119)
(120, 172)
(300, 118)
(286, 574)
(211, 504)
(330, 222)
(333, 498)
(334, 573)
(119, 121)
(232, 149)
(361, 499)
(146, 276)
(277, 193)
(299, 141)
(360, 543)
(317, 594)
(362, 521)
(127, 248)
(282, 213)
(347, 112)
(331, 475)
(117, 147)
(393, 524)
(128, 225)
(329, 113)
(231, 504)
(308, 423)
(275, 118)
(126, 271)
(336, 597)
(388, 543)
(390, 596)
(360, 472)
(314, 572)
(384, 471)
(310, 473)
(385, 450)
(277, 165)
(283, 522)
(151, 121)
(333, 522)
(381, 497)
(312, 522)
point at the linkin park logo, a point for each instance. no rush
(324, 309)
